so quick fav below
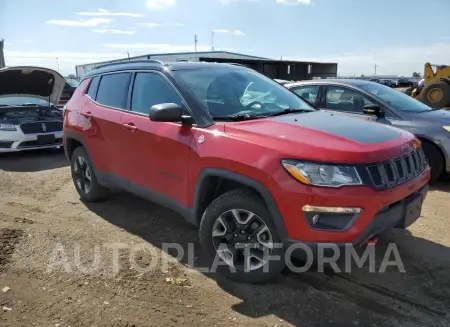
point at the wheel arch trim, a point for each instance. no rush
(246, 181)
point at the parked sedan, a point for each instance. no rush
(28, 117)
(373, 101)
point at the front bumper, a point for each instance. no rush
(393, 216)
(387, 204)
(17, 141)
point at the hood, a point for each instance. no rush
(36, 82)
(440, 116)
(324, 137)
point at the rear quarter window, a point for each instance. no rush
(93, 87)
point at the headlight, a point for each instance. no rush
(447, 128)
(8, 127)
(322, 174)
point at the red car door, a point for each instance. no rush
(102, 121)
(157, 153)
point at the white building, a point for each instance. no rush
(170, 57)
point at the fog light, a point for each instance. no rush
(331, 218)
(308, 208)
(315, 219)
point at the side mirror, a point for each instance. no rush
(169, 112)
(373, 109)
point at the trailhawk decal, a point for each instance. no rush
(350, 128)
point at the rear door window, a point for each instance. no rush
(113, 90)
(307, 92)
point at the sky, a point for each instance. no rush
(398, 36)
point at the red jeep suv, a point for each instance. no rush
(241, 157)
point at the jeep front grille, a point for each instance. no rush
(388, 174)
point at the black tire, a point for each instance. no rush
(435, 159)
(442, 102)
(249, 201)
(96, 192)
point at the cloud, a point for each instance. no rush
(93, 22)
(152, 25)
(113, 31)
(155, 47)
(295, 2)
(395, 60)
(160, 4)
(104, 12)
(227, 2)
(230, 32)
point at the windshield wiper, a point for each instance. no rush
(288, 111)
(237, 117)
(32, 105)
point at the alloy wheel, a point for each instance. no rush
(83, 177)
(242, 239)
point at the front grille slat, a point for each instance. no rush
(41, 127)
(390, 173)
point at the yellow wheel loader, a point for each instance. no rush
(435, 91)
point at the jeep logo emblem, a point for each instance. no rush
(44, 128)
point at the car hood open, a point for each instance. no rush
(27, 81)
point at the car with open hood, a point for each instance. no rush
(29, 118)
(256, 168)
(375, 102)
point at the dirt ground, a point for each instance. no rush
(42, 219)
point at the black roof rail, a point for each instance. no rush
(130, 61)
(236, 64)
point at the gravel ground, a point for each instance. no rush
(49, 239)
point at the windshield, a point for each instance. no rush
(230, 92)
(18, 101)
(395, 98)
(72, 82)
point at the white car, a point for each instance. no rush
(28, 118)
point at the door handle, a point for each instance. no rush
(130, 126)
(86, 114)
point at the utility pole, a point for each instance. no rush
(212, 41)
(2, 56)
(195, 42)
(57, 63)
(375, 69)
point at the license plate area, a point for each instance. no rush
(46, 139)
(413, 210)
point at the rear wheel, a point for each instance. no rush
(436, 95)
(435, 159)
(84, 178)
(237, 230)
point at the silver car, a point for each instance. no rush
(376, 102)
(28, 118)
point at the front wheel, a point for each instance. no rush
(434, 158)
(239, 237)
